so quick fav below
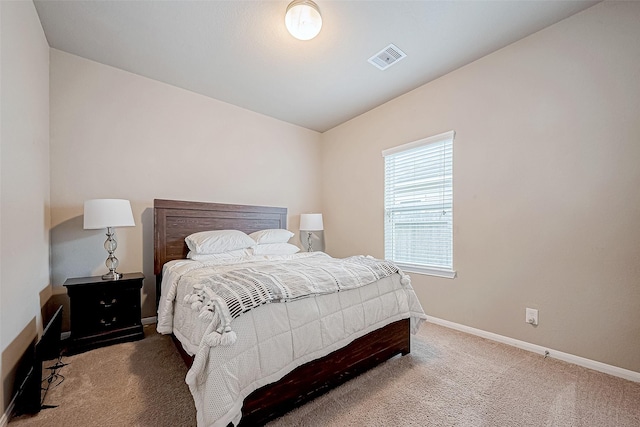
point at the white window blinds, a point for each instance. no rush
(418, 203)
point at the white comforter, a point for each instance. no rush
(273, 339)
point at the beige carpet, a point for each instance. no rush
(138, 383)
(450, 379)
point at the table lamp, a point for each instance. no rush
(108, 213)
(309, 223)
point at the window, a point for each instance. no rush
(418, 204)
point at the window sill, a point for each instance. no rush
(409, 268)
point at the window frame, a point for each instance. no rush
(447, 182)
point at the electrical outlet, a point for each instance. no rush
(531, 316)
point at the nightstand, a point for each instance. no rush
(104, 312)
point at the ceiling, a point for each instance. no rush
(240, 51)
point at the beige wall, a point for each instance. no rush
(117, 134)
(546, 183)
(24, 183)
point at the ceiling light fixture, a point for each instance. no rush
(303, 19)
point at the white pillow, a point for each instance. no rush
(214, 257)
(275, 249)
(218, 241)
(275, 235)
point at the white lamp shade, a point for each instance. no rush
(311, 222)
(103, 213)
(303, 19)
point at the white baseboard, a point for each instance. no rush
(149, 320)
(566, 357)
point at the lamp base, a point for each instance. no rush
(112, 275)
(309, 245)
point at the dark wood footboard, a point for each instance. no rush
(321, 375)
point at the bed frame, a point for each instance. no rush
(174, 220)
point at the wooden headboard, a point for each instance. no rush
(175, 219)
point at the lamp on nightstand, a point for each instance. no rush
(309, 223)
(108, 213)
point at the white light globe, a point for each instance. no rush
(303, 19)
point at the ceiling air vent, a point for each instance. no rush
(387, 57)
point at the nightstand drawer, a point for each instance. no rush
(103, 311)
(106, 310)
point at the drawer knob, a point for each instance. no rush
(108, 323)
(107, 305)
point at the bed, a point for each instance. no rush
(285, 388)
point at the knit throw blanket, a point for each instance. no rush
(222, 294)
